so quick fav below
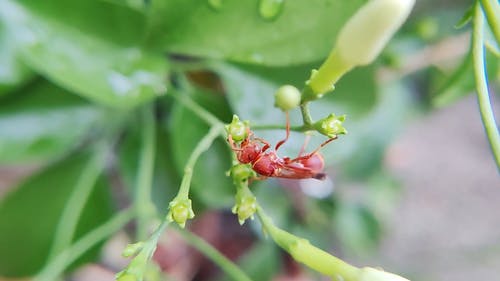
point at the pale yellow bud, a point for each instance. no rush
(366, 33)
(359, 42)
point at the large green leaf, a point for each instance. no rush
(210, 184)
(165, 179)
(30, 213)
(89, 47)
(305, 30)
(42, 121)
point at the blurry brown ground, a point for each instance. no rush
(447, 224)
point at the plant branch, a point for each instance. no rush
(482, 83)
(66, 227)
(492, 11)
(306, 115)
(232, 270)
(302, 251)
(196, 109)
(70, 254)
(145, 173)
(202, 146)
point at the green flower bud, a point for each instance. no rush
(366, 33)
(245, 207)
(180, 211)
(359, 42)
(237, 129)
(331, 126)
(241, 172)
(372, 274)
(287, 97)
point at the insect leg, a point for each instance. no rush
(281, 142)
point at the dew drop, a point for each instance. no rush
(216, 5)
(270, 9)
(256, 57)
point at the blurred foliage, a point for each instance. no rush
(74, 73)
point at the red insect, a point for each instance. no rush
(268, 164)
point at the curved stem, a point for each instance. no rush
(196, 109)
(492, 11)
(302, 251)
(66, 227)
(306, 115)
(70, 254)
(482, 84)
(145, 174)
(202, 146)
(232, 270)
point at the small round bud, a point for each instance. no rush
(180, 211)
(287, 97)
(241, 172)
(245, 207)
(236, 129)
(331, 126)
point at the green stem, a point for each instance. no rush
(196, 109)
(482, 84)
(150, 245)
(302, 128)
(492, 11)
(323, 81)
(306, 115)
(62, 260)
(202, 146)
(302, 251)
(66, 227)
(232, 270)
(145, 174)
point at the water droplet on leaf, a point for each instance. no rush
(256, 57)
(270, 9)
(215, 4)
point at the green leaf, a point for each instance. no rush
(210, 185)
(29, 215)
(303, 32)
(251, 89)
(465, 18)
(461, 81)
(357, 228)
(88, 47)
(166, 181)
(43, 121)
(12, 71)
(361, 150)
